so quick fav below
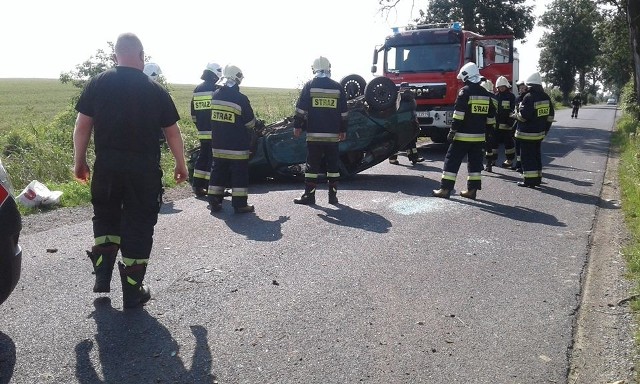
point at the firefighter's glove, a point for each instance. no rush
(451, 135)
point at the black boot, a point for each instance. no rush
(103, 258)
(215, 203)
(134, 292)
(309, 195)
(415, 158)
(333, 193)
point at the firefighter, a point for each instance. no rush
(126, 110)
(535, 115)
(152, 70)
(490, 155)
(473, 111)
(576, 103)
(201, 117)
(503, 134)
(322, 111)
(232, 124)
(412, 154)
(522, 90)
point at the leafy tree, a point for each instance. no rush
(615, 60)
(570, 47)
(487, 17)
(100, 62)
(633, 18)
(94, 65)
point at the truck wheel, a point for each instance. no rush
(381, 94)
(353, 86)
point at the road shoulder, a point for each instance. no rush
(604, 348)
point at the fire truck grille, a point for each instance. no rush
(429, 91)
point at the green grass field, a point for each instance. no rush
(36, 127)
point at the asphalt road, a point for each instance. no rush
(390, 286)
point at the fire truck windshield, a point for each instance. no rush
(422, 58)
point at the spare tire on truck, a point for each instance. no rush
(381, 94)
(353, 86)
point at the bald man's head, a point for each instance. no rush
(129, 51)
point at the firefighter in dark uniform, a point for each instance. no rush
(201, 116)
(535, 115)
(322, 111)
(503, 133)
(125, 110)
(576, 102)
(232, 124)
(412, 154)
(522, 90)
(473, 111)
(489, 153)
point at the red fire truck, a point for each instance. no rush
(426, 59)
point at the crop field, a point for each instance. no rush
(25, 102)
(36, 128)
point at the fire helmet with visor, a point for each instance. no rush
(469, 72)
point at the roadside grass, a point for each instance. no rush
(627, 142)
(37, 117)
(629, 171)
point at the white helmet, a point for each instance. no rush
(469, 72)
(503, 82)
(534, 79)
(231, 75)
(488, 85)
(321, 64)
(215, 68)
(152, 70)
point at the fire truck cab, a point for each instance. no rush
(426, 59)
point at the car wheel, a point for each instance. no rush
(381, 94)
(353, 86)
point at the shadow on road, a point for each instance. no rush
(516, 213)
(252, 226)
(7, 358)
(348, 217)
(133, 347)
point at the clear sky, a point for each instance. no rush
(274, 42)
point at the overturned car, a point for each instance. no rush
(10, 252)
(382, 121)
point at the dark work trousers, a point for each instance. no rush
(531, 154)
(574, 111)
(225, 172)
(202, 166)
(126, 195)
(490, 145)
(322, 157)
(504, 137)
(452, 161)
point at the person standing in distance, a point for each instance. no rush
(576, 103)
(125, 111)
(322, 111)
(232, 124)
(474, 111)
(201, 117)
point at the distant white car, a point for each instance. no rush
(611, 101)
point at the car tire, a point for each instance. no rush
(353, 86)
(381, 94)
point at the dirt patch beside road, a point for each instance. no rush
(604, 348)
